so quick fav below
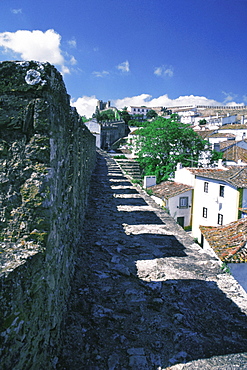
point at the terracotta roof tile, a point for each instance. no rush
(229, 241)
(234, 175)
(169, 189)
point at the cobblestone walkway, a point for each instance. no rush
(145, 296)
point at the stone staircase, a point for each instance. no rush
(131, 168)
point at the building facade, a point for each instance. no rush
(219, 198)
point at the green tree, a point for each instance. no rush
(139, 117)
(137, 123)
(175, 117)
(106, 115)
(165, 142)
(215, 156)
(151, 114)
(84, 119)
(125, 115)
(202, 121)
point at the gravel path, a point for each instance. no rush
(145, 296)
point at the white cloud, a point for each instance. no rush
(36, 45)
(229, 97)
(164, 71)
(233, 104)
(72, 43)
(100, 74)
(85, 105)
(124, 67)
(163, 101)
(73, 61)
(16, 11)
(138, 100)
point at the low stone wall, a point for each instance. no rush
(46, 158)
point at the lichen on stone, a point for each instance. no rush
(33, 77)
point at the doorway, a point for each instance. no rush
(180, 221)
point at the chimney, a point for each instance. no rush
(179, 166)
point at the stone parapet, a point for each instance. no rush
(46, 158)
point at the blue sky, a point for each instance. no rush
(134, 52)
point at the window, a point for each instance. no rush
(205, 187)
(204, 212)
(220, 219)
(134, 109)
(222, 189)
(183, 202)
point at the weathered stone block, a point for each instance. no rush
(46, 159)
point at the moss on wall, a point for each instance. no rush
(46, 159)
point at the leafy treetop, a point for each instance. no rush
(151, 114)
(165, 142)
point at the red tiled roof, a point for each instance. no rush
(229, 241)
(234, 175)
(169, 189)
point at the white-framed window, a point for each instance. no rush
(205, 187)
(204, 212)
(220, 219)
(183, 202)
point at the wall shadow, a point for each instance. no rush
(210, 324)
(131, 202)
(169, 320)
(140, 217)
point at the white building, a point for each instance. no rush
(176, 198)
(193, 117)
(239, 131)
(143, 110)
(219, 137)
(219, 195)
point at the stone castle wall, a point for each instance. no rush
(46, 158)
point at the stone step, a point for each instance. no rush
(131, 167)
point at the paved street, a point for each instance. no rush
(145, 296)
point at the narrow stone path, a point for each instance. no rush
(145, 296)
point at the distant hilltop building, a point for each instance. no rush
(213, 115)
(215, 107)
(143, 110)
(102, 105)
